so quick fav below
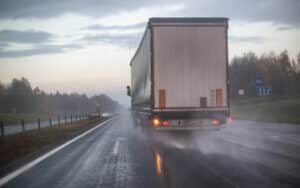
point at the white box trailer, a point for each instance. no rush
(179, 72)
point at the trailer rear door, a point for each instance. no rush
(190, 65)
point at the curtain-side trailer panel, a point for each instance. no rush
(141, 75)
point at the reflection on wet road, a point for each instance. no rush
(162, 171)
(158, 163)
(122, 154)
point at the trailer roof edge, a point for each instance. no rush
(188, 20)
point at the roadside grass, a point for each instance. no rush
(269, 109)
(11, 118)
(27, 144)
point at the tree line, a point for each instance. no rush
(19, 97)
(279, 71)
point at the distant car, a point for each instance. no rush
(106, 114)
(93, 115)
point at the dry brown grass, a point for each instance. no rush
(24, 144)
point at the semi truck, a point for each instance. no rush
(179, 74)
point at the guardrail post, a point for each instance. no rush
(39, 123)
(23, 125)
(50, 121)
(71, 118)
(65, 119)
(58, 120)
(2, 128)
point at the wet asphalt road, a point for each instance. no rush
(122, 154)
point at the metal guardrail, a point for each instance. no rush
(27, 126)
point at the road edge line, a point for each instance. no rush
(10, 176)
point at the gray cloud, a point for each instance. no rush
(38, 50)
(281, 12)
(251, 39)
(24, 36)
(129, 40)
(3, 45)
(44, 9)
(102, 27)
(39, 39)
(276, 11)
(285, 28)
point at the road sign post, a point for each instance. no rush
(23, 125)
(2, 128)
(39, 123)
(58, 120)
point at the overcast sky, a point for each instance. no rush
(85, 45)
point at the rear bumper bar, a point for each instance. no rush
(190, 128)
(192, 114)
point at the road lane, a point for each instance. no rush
(121, 154)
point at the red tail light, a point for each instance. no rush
(229, 120)
(215, 122)
(165, 123)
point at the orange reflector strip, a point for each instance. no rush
(162, 98)
(219, 97)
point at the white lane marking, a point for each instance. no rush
(116, 147)
(33, 163)
(117, 144)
